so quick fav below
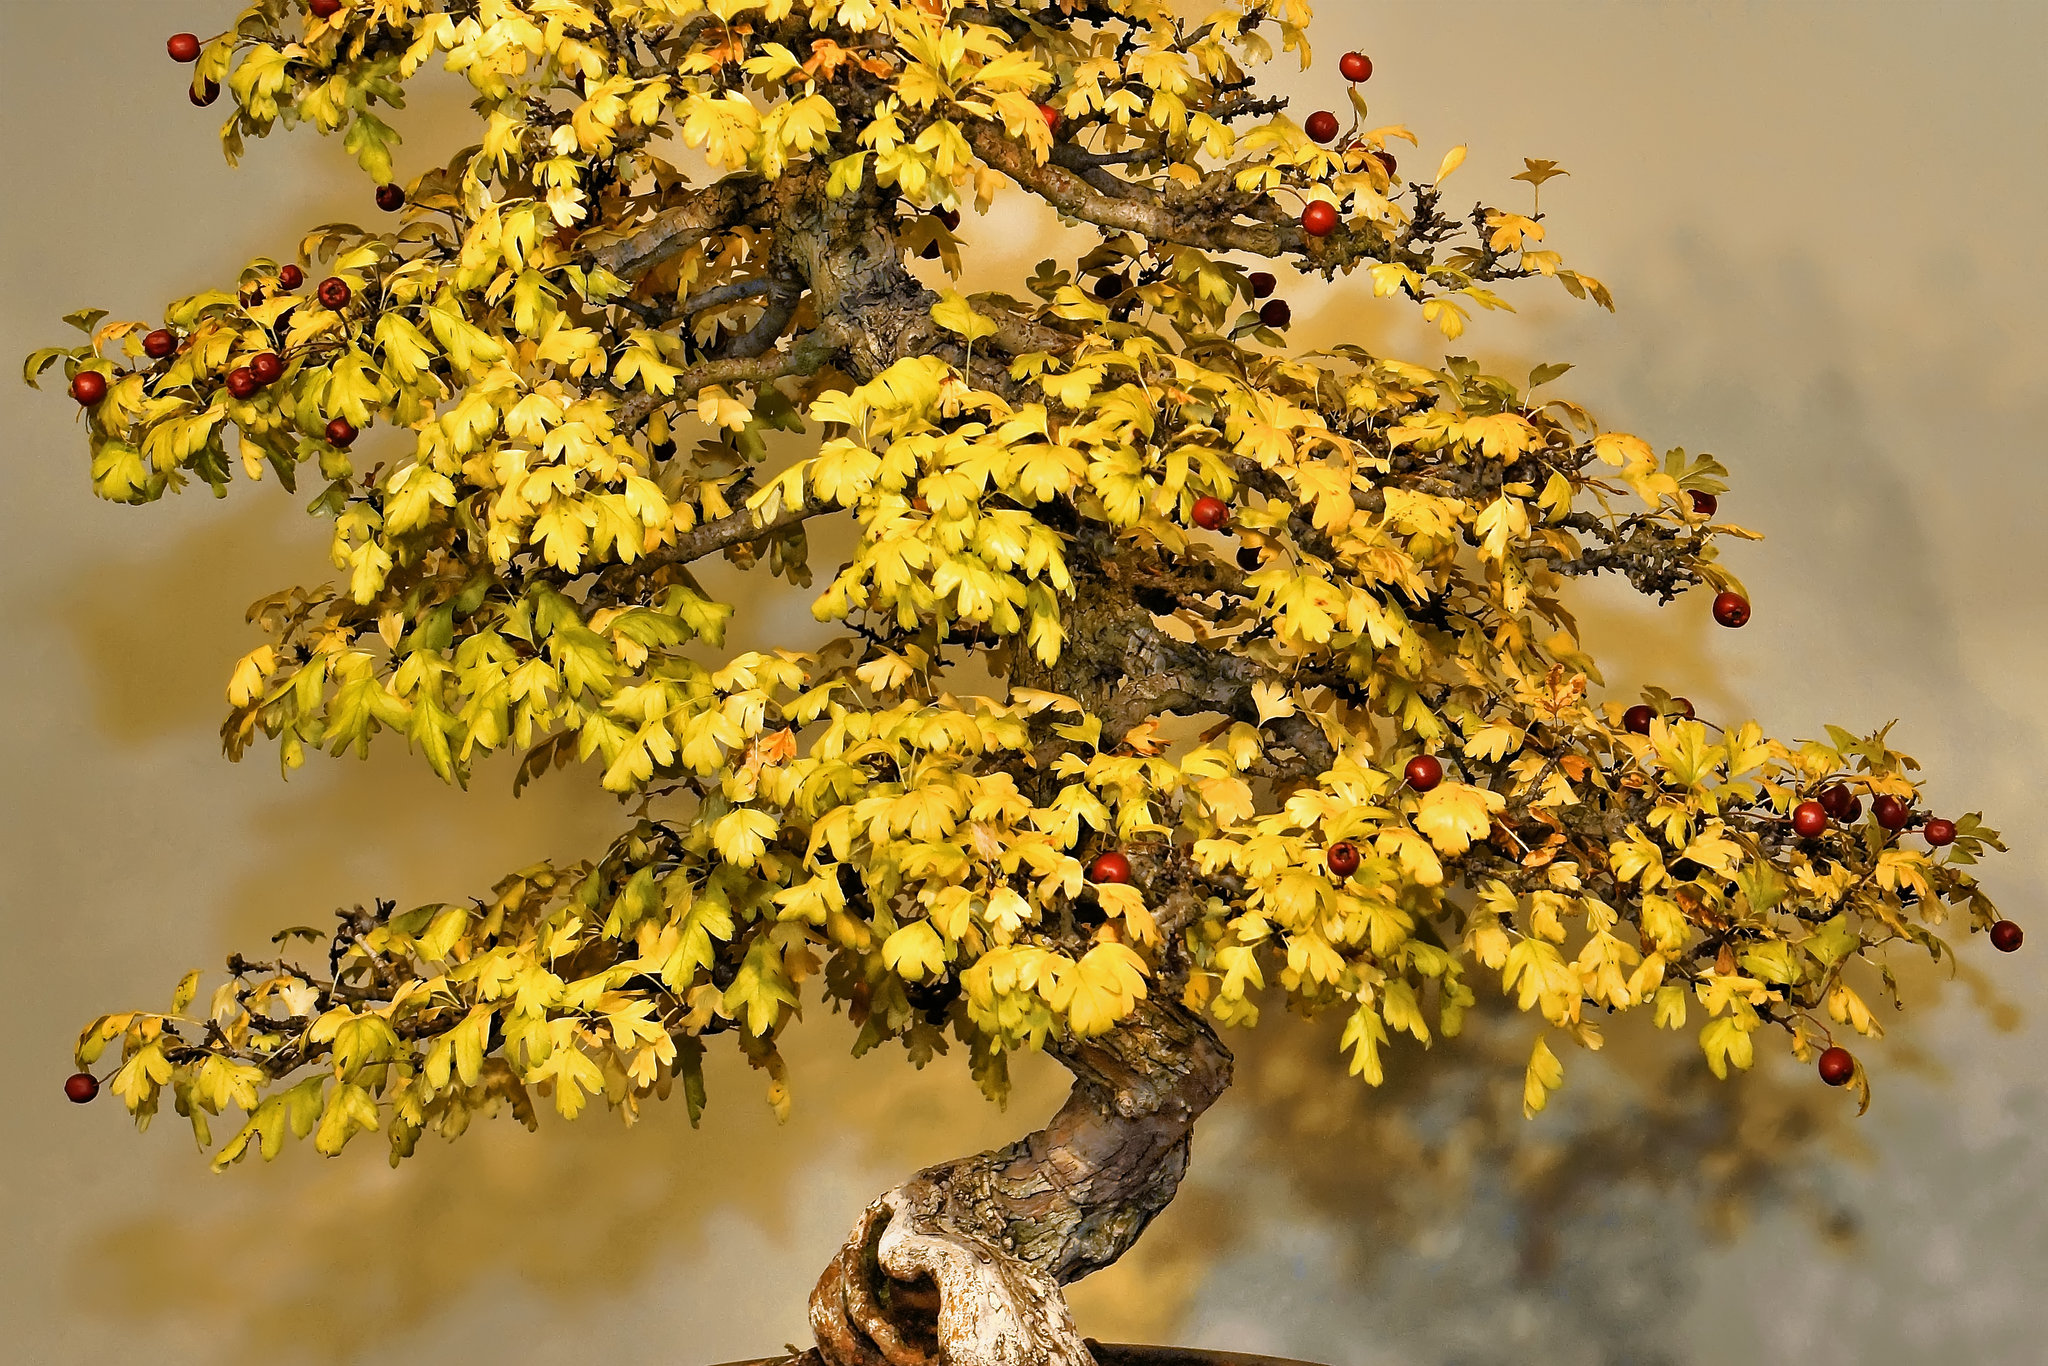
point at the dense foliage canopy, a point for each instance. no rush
(686, 225)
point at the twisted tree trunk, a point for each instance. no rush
(962, 1264)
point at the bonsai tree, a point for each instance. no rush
(1176, 674)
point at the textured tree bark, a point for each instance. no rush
(962, 1264)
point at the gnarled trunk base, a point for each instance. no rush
(907, 1291)
(962, 1264)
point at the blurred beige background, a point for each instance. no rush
(1821, 223)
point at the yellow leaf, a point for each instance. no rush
(188, 987)
(1725, 1041)
(1545, 1075)
(915, 951)
(1455, 814)
(1101, 989)
(741, 836)
(1272, 700)
(1622, 450)
(955, 314)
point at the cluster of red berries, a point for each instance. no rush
(184, 48)
(244, 381)
(1319, 218)
(1273, 313)
(1836, 802)
(262, 371)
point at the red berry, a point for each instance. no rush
(390, 198)
(1319, 219)
(1891, 813)
(1276, 313)
(341, 432)
(267, 367)
(1809, 819)
(1837, 1065)
(335, 293)
(1938, 832)
(1387, 160)
(1342, 858)
(1731, 609)
(205, 93)
(242, 381)
(88, 387)
(1705, 504)
(159, 344)
(183, 47)
(2007, 937)
(1355, 67)
(1110, 867)
(252, 297)
(1636, 720)
(1424, 772)
(1836, 800)
(324, 9)
(1052, 116)
(1683, 708)
(291, 277)
(1211, 514)
(1263, 284)
(1855, 811)
(1321, 125)
(81, 1087)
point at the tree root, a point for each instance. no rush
(906, 1290)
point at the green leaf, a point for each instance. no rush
(1761, 885)
(370, 140)
(760, 990)
(39, 361)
